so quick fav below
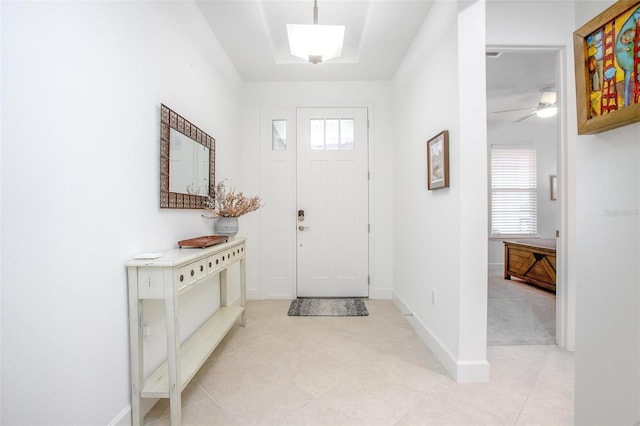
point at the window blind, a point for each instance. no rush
(513, 191)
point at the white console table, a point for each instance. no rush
(166, 278)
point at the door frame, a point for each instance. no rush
(565, 295)
(280, 283)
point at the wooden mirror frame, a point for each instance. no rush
(169, 119)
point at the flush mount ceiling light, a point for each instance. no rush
(547, 107)
(315, 43)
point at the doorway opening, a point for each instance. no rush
(524, 98)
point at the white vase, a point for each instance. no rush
(227, 226)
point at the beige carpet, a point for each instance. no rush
(519, 313)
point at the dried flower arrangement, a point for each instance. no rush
(229, 203)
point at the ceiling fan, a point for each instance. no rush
(546, 107)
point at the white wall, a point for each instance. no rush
(285, 97)
(543, 135)
(81, 87)
(608, 270)
(440, 236)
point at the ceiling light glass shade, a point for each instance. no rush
(547, 112)
(548, 98)
(315, 43)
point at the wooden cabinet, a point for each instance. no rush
(531, 260)
(166, 278)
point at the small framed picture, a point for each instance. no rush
(553, 187)
(438, 161)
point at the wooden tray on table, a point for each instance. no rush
(204, 241)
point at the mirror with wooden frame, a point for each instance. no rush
(187, 162)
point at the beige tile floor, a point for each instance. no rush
(372, 370)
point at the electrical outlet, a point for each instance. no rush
(434, 297)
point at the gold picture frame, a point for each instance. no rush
(607, 69)
(438, 161)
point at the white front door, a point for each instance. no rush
(332, 202)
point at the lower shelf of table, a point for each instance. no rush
(193, 352)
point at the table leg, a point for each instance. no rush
(243, 290)
(173, 348)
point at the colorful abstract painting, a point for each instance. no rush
(613, 55)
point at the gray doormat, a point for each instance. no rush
(308, 307)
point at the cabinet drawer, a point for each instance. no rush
(227, 256)
(219, 260)
(233, 254)
(190, 273)
(214, 263)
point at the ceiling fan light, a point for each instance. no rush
(547, 112)
(315, 43)
(548, 98)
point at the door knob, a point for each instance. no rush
(302, 228)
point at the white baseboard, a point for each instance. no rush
(123, 418)
(253, 294)
(381, 293)
(476, 371)
(278, 296)
(272, 296)
(460, 371)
